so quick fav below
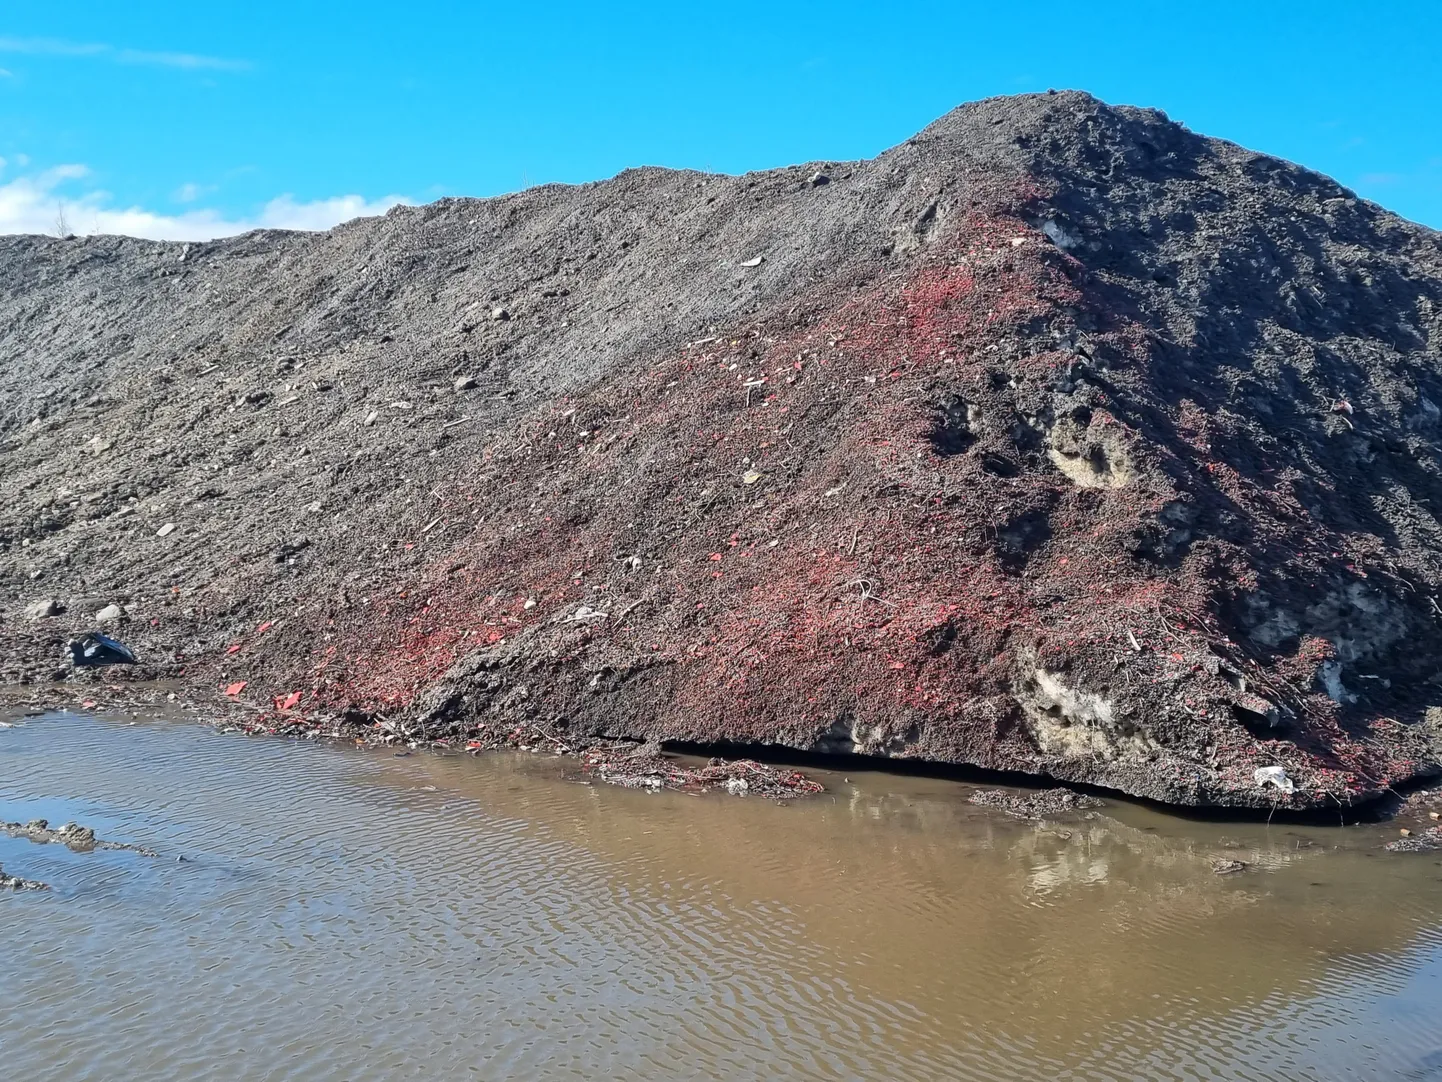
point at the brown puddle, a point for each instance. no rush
(356, 915)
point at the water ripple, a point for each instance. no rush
(353, 915)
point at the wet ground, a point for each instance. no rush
(346, 914)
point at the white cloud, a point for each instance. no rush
(60, 47)
(34, 203)
(189, 61)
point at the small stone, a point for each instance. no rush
(754, 261)
(466, 383)
(818, 178)
(43, 609)
(109, 614)
(166, 530)
(500, 315)
(750, 477)
(371, 417)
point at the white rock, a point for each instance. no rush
(109, 614)
(166, 530)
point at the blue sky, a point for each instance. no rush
(174, 119)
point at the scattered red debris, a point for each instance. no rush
(236, 688)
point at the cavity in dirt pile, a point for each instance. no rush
(1058, 439)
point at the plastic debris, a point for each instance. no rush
(97, 649)
(1264, 776)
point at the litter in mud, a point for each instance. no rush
(96, 649)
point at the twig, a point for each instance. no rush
(627, 611)
(867, 586)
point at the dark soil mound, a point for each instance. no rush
(1058, 439)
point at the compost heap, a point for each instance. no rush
(1058, 439)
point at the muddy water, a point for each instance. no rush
(356, 915)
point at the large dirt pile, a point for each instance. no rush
(1057, 439)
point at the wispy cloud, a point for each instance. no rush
(96, 50)
(189, 193)
(34, 203)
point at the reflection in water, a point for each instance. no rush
(356, 915)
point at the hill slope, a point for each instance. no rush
(1057, 439)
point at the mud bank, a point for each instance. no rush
(1057, 439)
(74, 836)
